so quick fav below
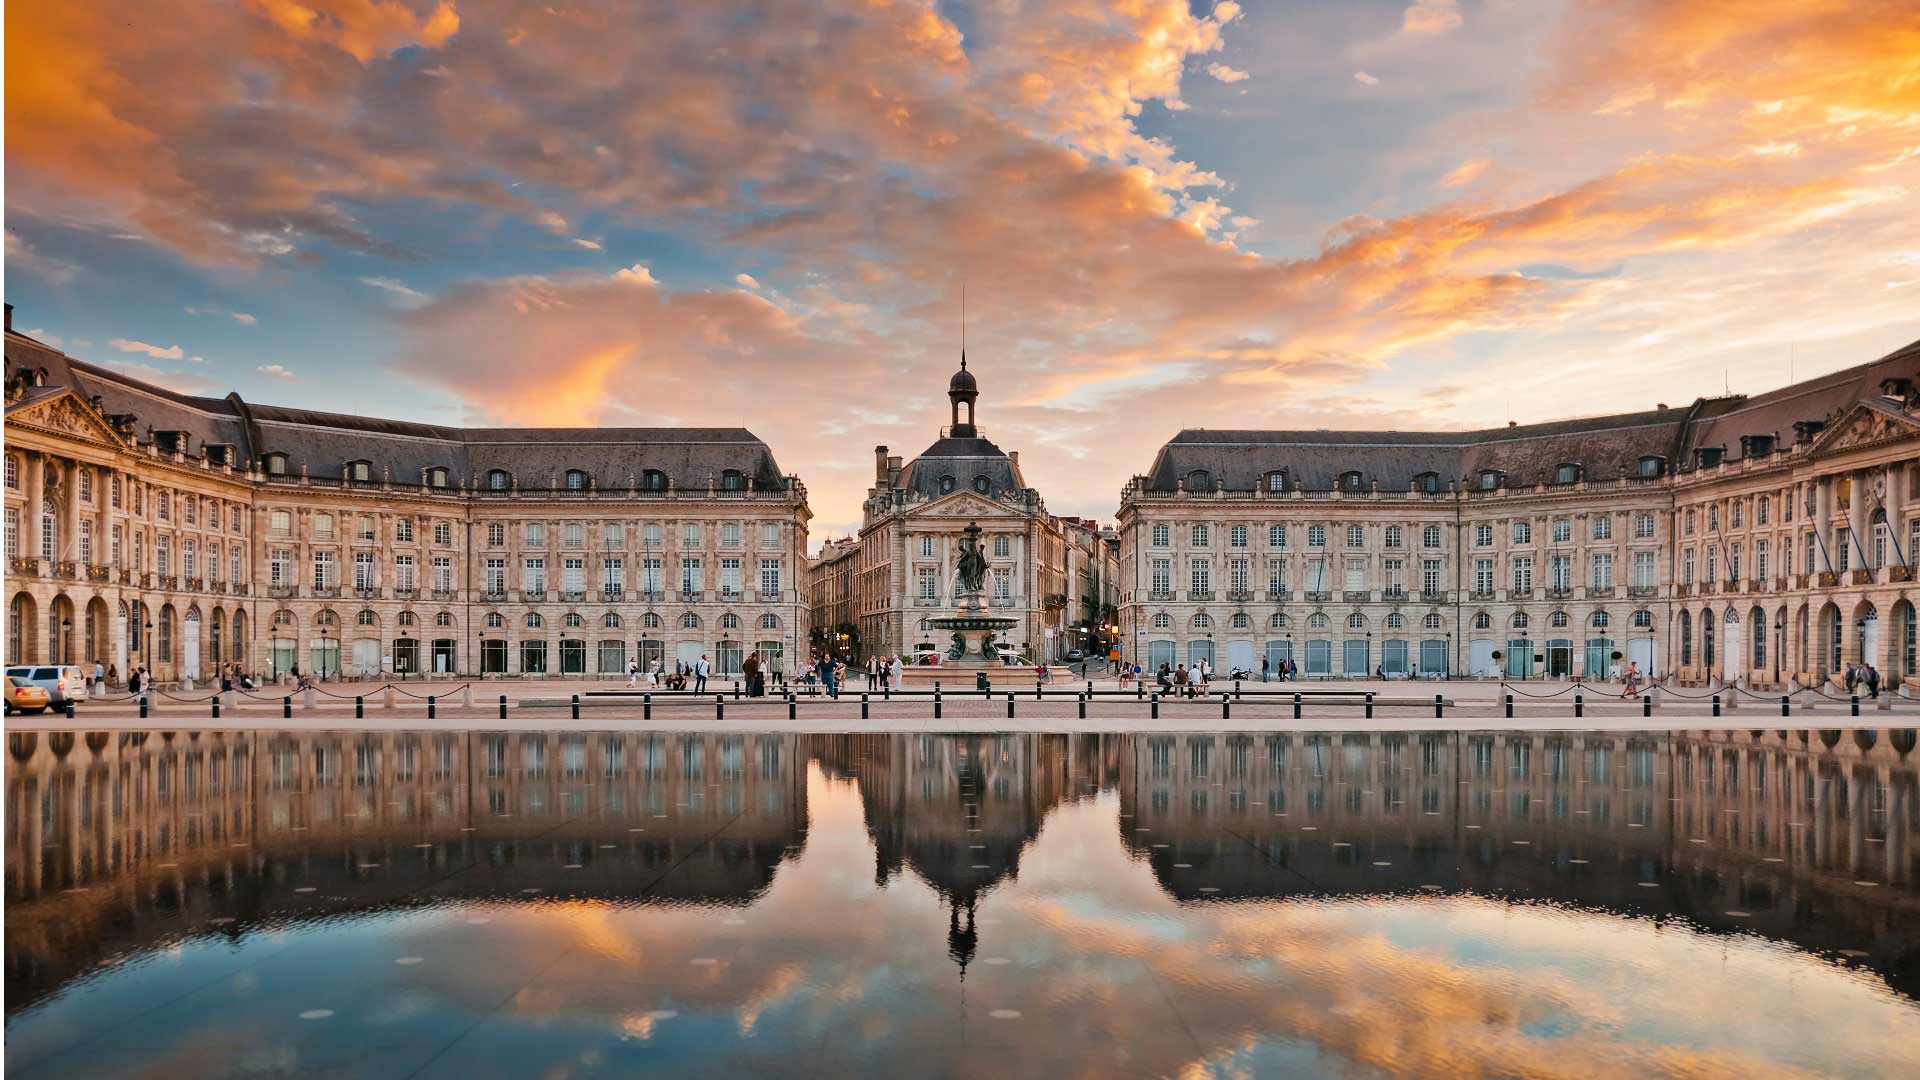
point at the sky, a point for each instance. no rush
(1406, 214)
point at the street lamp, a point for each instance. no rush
(1363, 668)
(1779, 644)
(149, 649)
(1449, 668)
(66, 641)
(325, 644)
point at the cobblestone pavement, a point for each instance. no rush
(1324, 706)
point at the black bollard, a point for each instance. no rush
(936, 701)
(503, 706)
(1786, 705)
(1083, 705)
(1855, 700)
(576, 706)
(863, 706)
(1439, 712)
(1156, 707)
(143, 708)
(1296, 706)
(1369, 705)
(1226, 707)
(432, 707)
(1579, 706)
(1646, 704)
(1009, 705)
(1139, 689)
(793, 707)
(359, 707)
(736, 689)
(1036, 689)
(286, 708)
(719, 706)
(1509, 706)
(1716, 704)
(216, 706)
(646, 705)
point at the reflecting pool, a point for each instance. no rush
(486, 904)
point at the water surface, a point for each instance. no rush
(569, 905)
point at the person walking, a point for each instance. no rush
(1632, 680)
(1873, 681)
(700, 670)
(829, 676)
(633, 674)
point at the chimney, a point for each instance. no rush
(879, 464)
(1014, 456)
(9, 318)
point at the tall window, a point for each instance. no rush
(730, 576)
(574, 534)
(443, 573)
(326, 574)
(1396, 570)
(1199, 536)
(1562, 531)
(689, 574)
(1162, 534)
(614, 537)
(496, 576)
(279, 567)
(730, 534)
(1162, 576)
(363, 569)
(1523, 532)
(1317, 536)
(1276, 576)
(1643, 563)
(650, 575)
(573, 575)
(534, 575)
(1277, 536)
(1201, 579)
(1430, 537)
(1002, 546)
(403, 573)
(1603, 570)
(1522, 574)
(1686, 567)
(613, 575)
(1356, 536)
(1237, 575)
(1356, 576)
(1237, 536)
(1643, 526)
(770, 576)
(929, 583)
(1560, 573)
(1603, 526)
(1430, 576)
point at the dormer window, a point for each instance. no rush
(1566, 473)
(1352, 481)
(172, 441)
(360, 471)
(275, 463)
(437, 476)
(576, 480)
(653, 480)
(1428, 482)
(1277, 481)
(1651, 465)
(981, 484)
(1489, 479)
(946, 485)
(731, 480)
(498, 480)
(218, 453)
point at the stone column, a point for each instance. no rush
(1857, 496)
(36, 470)
(70, 528)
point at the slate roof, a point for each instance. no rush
(1603, 446)
(964, 459)
(323, 442)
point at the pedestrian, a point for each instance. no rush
(829, 676)
(1182, 678)
(1266, 667)
(1632, 679)
(633, 674)
(1040, 676)
(1379, 672)
(751, 669)
(700, 670)
(1853, 677)
(1164, 676)
(1873, 680)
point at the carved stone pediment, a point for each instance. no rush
(963, 504)
(1866, 424)
(67, 415)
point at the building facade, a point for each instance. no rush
(183, 533)
(1679, 540)
(901, 566)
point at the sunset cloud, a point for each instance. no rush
(1431, 17)
(1225, 74)
(171, 352)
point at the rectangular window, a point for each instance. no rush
(575, 535)
(534, 575)
(1002, 546)
(1162, 535)
(652, 535)
(363, 569)
(326, 572)
(1483, 535)
(689, 536)
(1603, 570)
(233, 564)
(403, 573)
(613, 575)
(1316, 536)
(496, 534)
(1713, 564)
(689, 575)
(1733, 561)
(443, 533)
(86, 541)
(189, 562)
(1522, 574)
(650, 575)
(1003, 586)
(1396, 575)
(1277, 537)
(114, 546)
(403, 530)
(1760, 558)
(730, 534)
(1356, 576)
(496, 571)
(1201, 576)
(1276, 575)
(323, 525)
(1643, 526)
(615, 537)
(1603, 526)
(1560, 572)
(1430, 576)
(928, 583)
(1643, 569)
(1237, 576)
(165, 506)
(281, 523)
(573, 575)
(730, 577)
(1562, 531)
(113, 491)
(1523, 532)
(1162, 576)
(770, 576)
(162, 551)
(535, 536)
(279, 567)
(1686, 567)
(363, 527)
(1842, 549)
(1237, 536)
(1199, 535)
(770, 536)
(926, 547)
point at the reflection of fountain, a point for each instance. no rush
(973, 629)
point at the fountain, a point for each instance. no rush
(973, 629)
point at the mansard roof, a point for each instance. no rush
(965, 460)
(323, 442)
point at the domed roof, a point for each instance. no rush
(963, 380)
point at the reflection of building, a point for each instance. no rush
(900, 573)
(1770, 825)
(277, 537)
(156, 830)
(1695, 539)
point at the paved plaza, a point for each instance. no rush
(1251, 706)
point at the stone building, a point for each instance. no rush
(902, 563)
(182, 533)
(1544, 549)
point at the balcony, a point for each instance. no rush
(1394, 593)
(1239, 596)
(1318, 596)
(192, 584)
(649, 596)
(1279, 596)
(1683, 590)
(533, 596)
(730, 596)
(66, 570)
(1433, 596)
(1829, 579)
(331, 592)
(1562, 592)
(1861, 577)
(1481, 594)
(1200, 596)
(499, 597)
(1001, 602)
(1638, 591)
(688, 596)
(1599, 592)
(768, 596)
(403, 593)
(1756, 585)
(241, 588)
(1899, 574)
(1355, 596)
(1521, 594)
(573, 596)
(367, 592)
(445, 594)
(21, 567)
(169, 583)
(613, 594)
(99, 574)
(926, 601)
(1160, 596)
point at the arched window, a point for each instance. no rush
(729, 621)
(1241, 622)
(405, 618)
(444, 618)
(573, 621)
(1396, 621)
(1686, 637)
(1162, 621)
(1557, 620)
(1203, 621)
(496, 621)
(367, 618)
(1520, 620)
(653, 480)
(283, 617)
(1643, 619)
(1432, 621)
(360, 471)
(650, 621)
(1356, 621)
(1566, 473)
(1318, 621)
(498, 480)
(534, 621)
(1482, 621)
(769, 622)
(610, 621)
(1601, 619)
(689, 621)
(576, 480)
(325, 618)
(1277, 622)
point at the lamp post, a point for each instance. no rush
(149, 649)
(1779, 645)
(1449, 663)
(325, 648)
(66, 641)
(1364, 673)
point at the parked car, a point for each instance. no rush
(1074, 656)
(62, 683)
(23, 696)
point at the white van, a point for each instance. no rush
(62, 684)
